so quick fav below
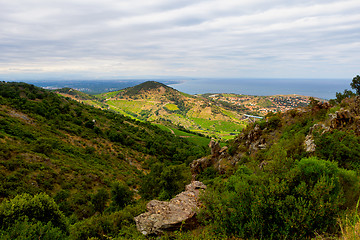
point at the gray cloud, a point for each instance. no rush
(232, 38)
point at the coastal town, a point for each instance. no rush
(261, 105)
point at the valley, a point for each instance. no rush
(69, 170)
(220, 116)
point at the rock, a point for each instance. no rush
(169, 216)
(340, 118)
(215, 148)
(309, 144)
(198, 165)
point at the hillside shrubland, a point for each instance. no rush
(71, 171)
(82, 163)
(275, 186)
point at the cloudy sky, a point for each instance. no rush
(109, 39)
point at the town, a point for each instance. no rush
(261, 105)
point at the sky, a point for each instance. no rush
(112, 39)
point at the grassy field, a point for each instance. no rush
(171, 107)
(202, 141)
(133, 106)
(217, 125)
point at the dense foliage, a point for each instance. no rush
(293, 205)
(82, 163)
(70, 171)
(283, 190)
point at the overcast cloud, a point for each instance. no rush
(104, 39)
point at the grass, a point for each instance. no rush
(108, 94)
(133, 106)
(217, 125)
(193, 138)
(350, 226)
(171, 107)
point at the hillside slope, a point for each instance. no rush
(153, 101)
(74, 152)
(293, 175)
(217, 115)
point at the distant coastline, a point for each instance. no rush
(320, 88)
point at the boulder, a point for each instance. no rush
(340, 119)
(215, 148)
(169, 216)
(199, 165)
(309, 144)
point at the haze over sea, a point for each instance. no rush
(321, 88)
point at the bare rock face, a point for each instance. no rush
(215, 148)
(198, 165)
(309, 144)
(169, 216)
(340, 118)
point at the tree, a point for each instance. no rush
(38, 208)
(121, 195)
(346, 94)
(99, 200)
(355, 84)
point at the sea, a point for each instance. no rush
(320, 88)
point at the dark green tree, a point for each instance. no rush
(38, 208)
(355, 84)
(99, 200)
(341, 96)
(121, 195)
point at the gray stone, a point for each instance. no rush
(169, 216)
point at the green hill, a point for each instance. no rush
(79, 156)
(72, 171)
(156, 102)
(293, 175)
(215, 115)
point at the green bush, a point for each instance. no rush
(342, 147)
(99, 200)
(107, 226)
(121, 195)
(164, 182)
(304, 200)
(29, 230)
(38, 208)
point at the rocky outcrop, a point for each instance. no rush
(253, 140)
(340, 119)
(169, 216)
(198, 165)
(215, 148)
(309, 144)
(217, 159)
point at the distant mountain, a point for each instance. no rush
(220, 115)
(156, 102)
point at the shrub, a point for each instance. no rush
(99, 200)
(305, 200)
(121, 195)
(165, 181)
(38, 208)
(29, 230)
(339, 146)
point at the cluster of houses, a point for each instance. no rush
(265, 104)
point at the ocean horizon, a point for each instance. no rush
(320, 88)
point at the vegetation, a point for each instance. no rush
(71, 171)
(284, 191)
(156, 102)
(65, 165)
